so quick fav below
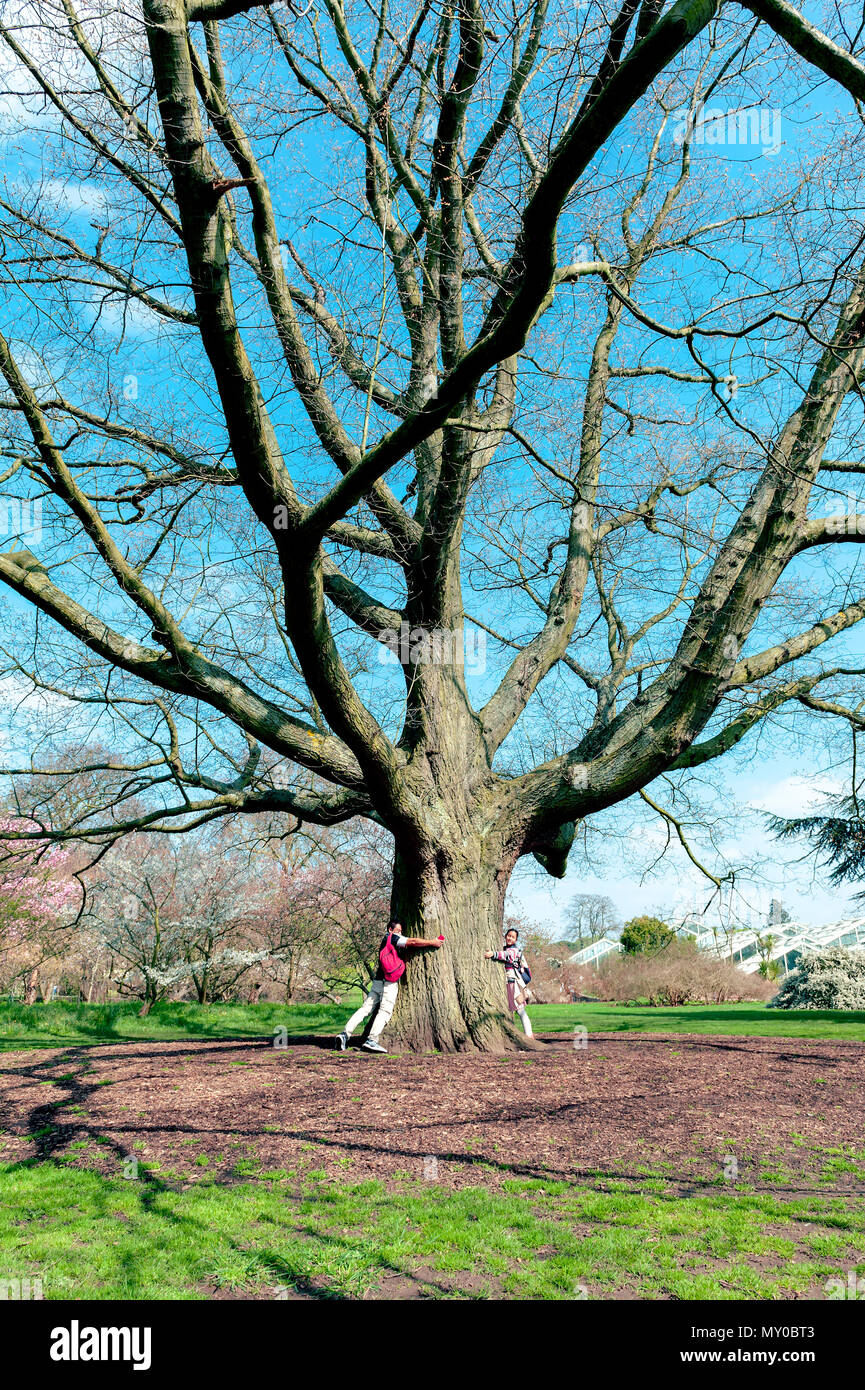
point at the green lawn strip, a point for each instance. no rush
(88, 1236)
(64, 1022)
(57, 1024)
(743, 1020)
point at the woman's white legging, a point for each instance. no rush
(526, 1021)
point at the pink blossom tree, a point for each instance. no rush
(38, 899)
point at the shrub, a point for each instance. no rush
(832, 979)
(644, 935)
(554, 979)
(679, 974)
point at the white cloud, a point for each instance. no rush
(17, 694)
(64, 195)
(117, 315)
(796, 795)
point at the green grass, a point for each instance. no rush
(744, 1020)
(57, 1024)
(88, 1236)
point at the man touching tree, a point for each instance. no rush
(383, 991)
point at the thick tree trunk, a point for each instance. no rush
(452, 1000)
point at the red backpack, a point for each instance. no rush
(392, 963)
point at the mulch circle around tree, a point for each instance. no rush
(623, 1109)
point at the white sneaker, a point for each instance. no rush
(342, 1041)
(371, 1046)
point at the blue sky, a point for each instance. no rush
(780, 785)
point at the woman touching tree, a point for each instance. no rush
(517, 975)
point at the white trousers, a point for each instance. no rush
(526, 1021)
(381, 997)
(517, 1004)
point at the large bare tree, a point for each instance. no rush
(334, 333)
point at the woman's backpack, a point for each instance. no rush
(519, 967)
(392, 963)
